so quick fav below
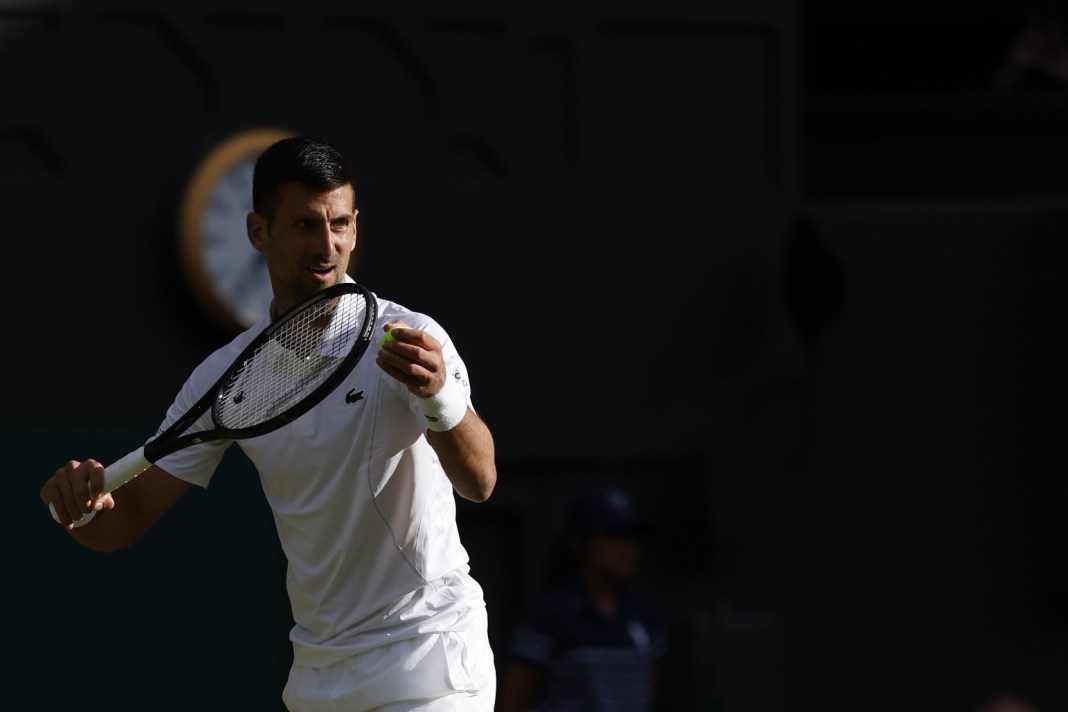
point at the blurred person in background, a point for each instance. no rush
(593, 641)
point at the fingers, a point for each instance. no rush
(70, 491)
(413, 357)
(401, 333)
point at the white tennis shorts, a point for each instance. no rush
(437, 672)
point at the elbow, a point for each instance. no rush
(481, 494)
(481, 487)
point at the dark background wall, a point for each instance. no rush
(789, 271)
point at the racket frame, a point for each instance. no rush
(172, 440)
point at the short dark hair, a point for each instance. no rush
(298, 159)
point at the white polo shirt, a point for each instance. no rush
(364, 512)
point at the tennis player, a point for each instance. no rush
(362, 487)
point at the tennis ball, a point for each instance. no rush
(388, 336)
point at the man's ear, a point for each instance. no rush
(256, 225)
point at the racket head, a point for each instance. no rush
(295, 362)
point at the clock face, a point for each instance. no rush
(237, 271)
(226, 274)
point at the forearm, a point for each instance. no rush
(130, 511)
(109, 530)
(467, 455)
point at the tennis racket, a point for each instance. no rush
(286, 370)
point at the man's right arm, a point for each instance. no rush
(125, 514)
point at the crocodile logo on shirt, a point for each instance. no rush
(353, 396)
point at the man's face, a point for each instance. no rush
(308, 241)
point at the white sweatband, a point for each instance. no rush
(446, 408)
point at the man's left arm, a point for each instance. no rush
(467, 455)
(461, 439)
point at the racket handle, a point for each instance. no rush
(86, 518)
(122, 471)
(116, 475)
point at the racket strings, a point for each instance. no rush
(288, 366)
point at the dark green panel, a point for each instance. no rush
(193, 617)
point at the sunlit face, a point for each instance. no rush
(307, 242)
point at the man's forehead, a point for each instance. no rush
(296, 197)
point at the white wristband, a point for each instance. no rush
(446, 408)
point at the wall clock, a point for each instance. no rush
(226, 275)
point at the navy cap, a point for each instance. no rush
(604, 511)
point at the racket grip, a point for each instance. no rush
(86, 518)
(116, 475)
(125, 469)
